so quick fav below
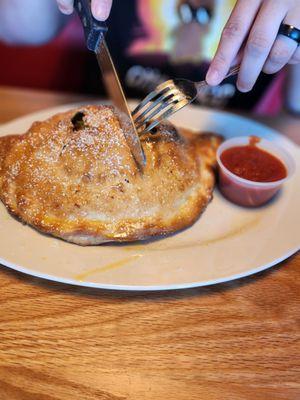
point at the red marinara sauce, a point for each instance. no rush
(254, 164)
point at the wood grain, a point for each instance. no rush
(238, 340)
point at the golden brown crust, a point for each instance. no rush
(80, 182)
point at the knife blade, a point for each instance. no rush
(118, 98)
(95, 39)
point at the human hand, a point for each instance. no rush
(100, 8)
(251, 34)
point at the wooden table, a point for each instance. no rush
(232, 341)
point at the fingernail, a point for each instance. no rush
(213, 77)
(101, 10)
(244, 88)
(64, 9)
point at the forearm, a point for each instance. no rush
(29, 22)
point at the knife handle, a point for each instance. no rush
(94, 30)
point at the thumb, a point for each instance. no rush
(101, 9)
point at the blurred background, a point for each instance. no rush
(151, 41)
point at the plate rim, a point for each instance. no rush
(152, 288)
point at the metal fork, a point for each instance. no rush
(167, 99)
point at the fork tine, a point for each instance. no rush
(151, 123)
(167, 98)
(161, 88)
(172, 101)
(144, 102)
(158, 111)
(166, 114)
(164, 97)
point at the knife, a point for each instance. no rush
(95, 32)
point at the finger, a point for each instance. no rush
(66, 6)
(232, 38)
(281, 53)
(293, 18)
(261, 38)
(101, 9)
(296, 57)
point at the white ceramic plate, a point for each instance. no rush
(227, 242)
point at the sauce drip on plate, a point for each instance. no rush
(254, 164)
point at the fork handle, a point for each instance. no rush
(233, 71)
(94, 30)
